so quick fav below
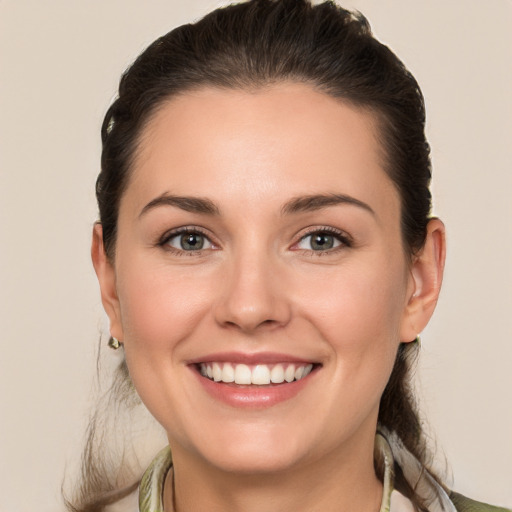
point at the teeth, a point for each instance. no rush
(228, 373)
(259, 375)
(289, 374)
(277, 374)
(242, 374)
(217, 372)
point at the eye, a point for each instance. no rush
(188, 240)
(322, 241)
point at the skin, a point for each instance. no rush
(260, 287)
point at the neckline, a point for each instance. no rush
(152, 484)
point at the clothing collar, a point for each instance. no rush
(152, 483)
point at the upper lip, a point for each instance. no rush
(250, 358)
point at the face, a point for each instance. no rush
(259, 242)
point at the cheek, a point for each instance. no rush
(161, 309)
(358, 312)
(356, 305)
(160, 306)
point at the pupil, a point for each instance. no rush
(192, 241)
(322, 241)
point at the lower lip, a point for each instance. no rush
(253, 397)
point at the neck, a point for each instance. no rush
(343, 480)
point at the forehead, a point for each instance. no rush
(271, 143)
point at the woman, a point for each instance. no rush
(266, 257)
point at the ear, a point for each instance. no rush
(426, 276)
(107, 280)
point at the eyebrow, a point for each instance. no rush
(296, 205)
(187, 203)
(319, 201)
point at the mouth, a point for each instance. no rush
(255, 374)
(257, 380)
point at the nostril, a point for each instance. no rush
(255, 325)
(251, 326)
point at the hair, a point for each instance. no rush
(253, 45)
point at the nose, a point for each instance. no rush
(253, 295)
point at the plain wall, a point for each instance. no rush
(60, 62)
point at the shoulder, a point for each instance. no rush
(463, 504)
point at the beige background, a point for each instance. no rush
(59, 65)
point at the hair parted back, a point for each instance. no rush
(253, 45)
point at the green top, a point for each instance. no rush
(463, 504)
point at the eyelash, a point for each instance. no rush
(345, 241)
(193, 230)
(343, 238)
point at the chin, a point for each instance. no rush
(254, 450)
(255, 460)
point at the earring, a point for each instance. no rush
(417, 341)
(113, 343)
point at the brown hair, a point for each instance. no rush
(254, 44)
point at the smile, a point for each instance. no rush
(258, 374)
(254, 381)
